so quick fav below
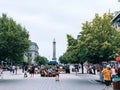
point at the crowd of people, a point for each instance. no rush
(42, 70)
(109, 71)
(13, 69)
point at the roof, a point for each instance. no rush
(33, 43)
(116, 16)
(52, 62)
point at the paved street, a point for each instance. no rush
(67, 82)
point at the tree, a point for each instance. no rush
(99, 39)
(71, 52)
(62, 59)
(41, 60)
(98, 42)
(14, 40)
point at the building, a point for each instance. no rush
(116, 20)
(32, 53)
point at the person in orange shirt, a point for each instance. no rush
(107, 76)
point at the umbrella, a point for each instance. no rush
(118, 58)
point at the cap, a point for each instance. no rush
(108, 66)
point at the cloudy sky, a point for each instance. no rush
(49, 19)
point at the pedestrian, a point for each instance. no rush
(25, 71)
(32, 70)
(16, 69)
(107, 77)
(98, 68)
(57, 75)
(1, 70)
(10, 67)
(13, 69)
(94, 69)
(113, 72)
(76, 68)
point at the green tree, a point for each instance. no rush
(62, 59)
(98, 39)
(98, 42)
(41, 60)
(71, 54)
(14, 40)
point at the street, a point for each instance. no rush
(67, 82)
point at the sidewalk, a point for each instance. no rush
(67, 82)
(7, 75)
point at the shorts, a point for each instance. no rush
(107, 82)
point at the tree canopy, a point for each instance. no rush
(14, 40)
(98, 41)
(41, 60)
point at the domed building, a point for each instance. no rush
(32, 53)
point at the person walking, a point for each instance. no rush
(16, 68)
(107, 77)
(57, 75)
(1, 70)
(113, 72)
(76, 68)
(25, 71)
(32, 70)
(13, 69)
(94, 69)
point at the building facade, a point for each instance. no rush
(116, 20)
(32, 53)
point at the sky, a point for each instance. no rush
(49, 19)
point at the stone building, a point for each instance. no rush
(32, 53)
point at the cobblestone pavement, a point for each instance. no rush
(67, 82)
